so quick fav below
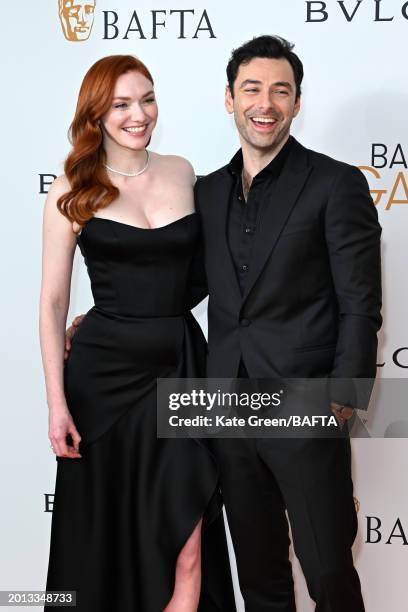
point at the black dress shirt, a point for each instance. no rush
(244, 217)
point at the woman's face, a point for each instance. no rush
(133, 114)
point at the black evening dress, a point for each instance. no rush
(123, 512)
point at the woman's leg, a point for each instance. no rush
(187, 586)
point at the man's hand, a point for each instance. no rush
(69, 334)
(342, 413)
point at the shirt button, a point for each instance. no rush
(244, 268)
(245, 322)
(249, 230)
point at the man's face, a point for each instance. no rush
(264, 102)
(77, 18)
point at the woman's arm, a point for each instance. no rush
(59, 243)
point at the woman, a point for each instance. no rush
(133, 514)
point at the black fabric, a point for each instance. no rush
(123, 512)
(309, 307)
(312, 298)
(311, 479)
(245, 216)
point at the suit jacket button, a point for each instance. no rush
(245, 322)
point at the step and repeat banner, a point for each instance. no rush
(354, 102)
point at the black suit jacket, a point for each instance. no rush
(312, 302)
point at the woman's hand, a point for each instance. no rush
(60, 424)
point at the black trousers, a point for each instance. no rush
(311, 479)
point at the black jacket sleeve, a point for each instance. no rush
(353, 240)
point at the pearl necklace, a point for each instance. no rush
(130, 173)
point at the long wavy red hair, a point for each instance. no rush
(91, 187)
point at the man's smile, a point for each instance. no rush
(263, 124)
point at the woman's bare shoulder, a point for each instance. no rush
(59, 186)
(175, 163)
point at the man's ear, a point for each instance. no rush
(297, 106)
(229, 102)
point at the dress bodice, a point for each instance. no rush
(140, 272)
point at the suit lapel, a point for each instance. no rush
(275, 214)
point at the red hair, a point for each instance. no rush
(91, 187)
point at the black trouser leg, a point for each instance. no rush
(312, 479)
(258, 525)
(315, 479)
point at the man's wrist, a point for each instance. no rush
(342, 412)
(340, 406)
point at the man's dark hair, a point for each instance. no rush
(273, 47)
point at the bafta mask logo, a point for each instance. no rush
(76, 18)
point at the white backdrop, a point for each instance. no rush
(355, 95)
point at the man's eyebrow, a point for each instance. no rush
(249, 82)
(283, 84)
(255, 82)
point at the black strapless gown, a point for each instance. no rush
(123, 512)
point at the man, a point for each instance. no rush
(292, 245)
(292, 258)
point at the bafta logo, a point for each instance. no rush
(76, 17)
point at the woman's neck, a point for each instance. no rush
(125, 160)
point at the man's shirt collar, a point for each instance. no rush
(274, 167)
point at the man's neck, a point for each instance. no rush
(255, 160)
